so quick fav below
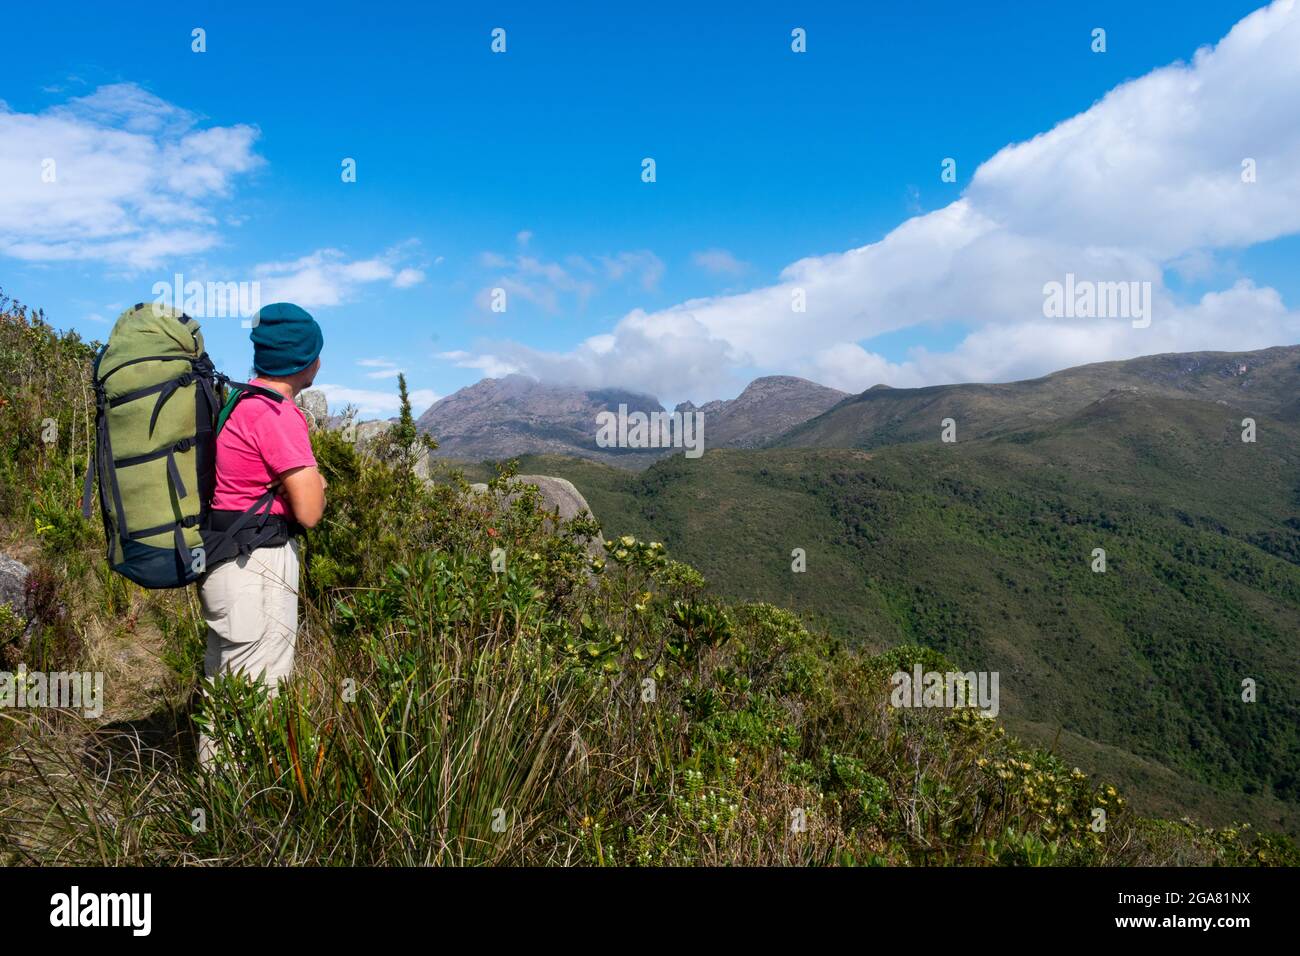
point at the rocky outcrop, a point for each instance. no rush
(367, 432)
(14, 636)
(559, 494)
(314, 405)
(560, 499)
(13, 584)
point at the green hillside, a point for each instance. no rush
(1264, 382)
(983, 550)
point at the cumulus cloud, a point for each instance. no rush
(119, 176)
(328, 277)
(1148, 179)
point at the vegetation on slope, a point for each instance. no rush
(983, 550)
(567, 710)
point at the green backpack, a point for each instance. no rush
(159, 405)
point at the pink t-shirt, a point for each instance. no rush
(261, 439)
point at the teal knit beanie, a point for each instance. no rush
(286, 339)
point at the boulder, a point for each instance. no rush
(13, 584)
(367, 432)
(559, 497)
(13, 592)
(423, 465)
(315, 406)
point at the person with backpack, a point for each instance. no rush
(205, 479)
(250, 602)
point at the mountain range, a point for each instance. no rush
(498, 418)
(516, 415)
(1265, 381)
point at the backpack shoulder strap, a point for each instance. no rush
(238, 390)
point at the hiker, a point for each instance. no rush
(250, 602)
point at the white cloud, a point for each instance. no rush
(374, 402)
(489, 365)
(383, 368)
(136, 181)
(421, 399)
(1147, 179)
(720, 262)
(327, 277)
(407, 278)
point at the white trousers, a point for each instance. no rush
(250, 605)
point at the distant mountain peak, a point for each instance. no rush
(767, 407)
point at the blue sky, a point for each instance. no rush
(522, 171)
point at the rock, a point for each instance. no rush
(315, 406)
(423, 465)
(560, 498)
(13, 584)
(13, 592)
(367, 432)
(558, 495)
(479, 488)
